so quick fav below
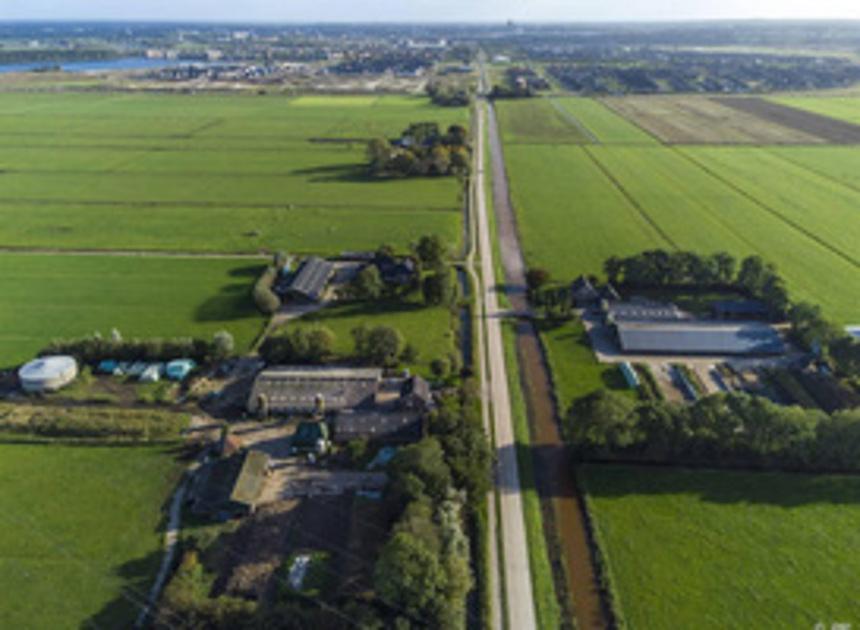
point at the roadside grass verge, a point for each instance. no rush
(547, 611)
(575, 371)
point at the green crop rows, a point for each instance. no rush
(797, 207)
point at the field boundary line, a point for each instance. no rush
(630, 198)
(611, 108)
(772, 211)
(571, 118)
(809, 169)
(130, 253)
(179, 204)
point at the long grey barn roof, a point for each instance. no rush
(312, 277)
(295, 389)
(646, 310)
(699, 338)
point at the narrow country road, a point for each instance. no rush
(514, 544)
(494, 585)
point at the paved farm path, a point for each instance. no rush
(494, 584)
(514, 544)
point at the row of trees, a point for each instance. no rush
(448, 94)
(265, 298)
(661, 268)
(423, 573)
(433, 274)
(422, 150)
(511, 91)
(721, 430)
(382, 346)
(95, 348)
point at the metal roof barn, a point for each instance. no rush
(311, 279)
(699, 337)
(48, 374)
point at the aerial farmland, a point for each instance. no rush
(403, 325)
(218, 175)
(619, 192)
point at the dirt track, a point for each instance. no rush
(829, 130)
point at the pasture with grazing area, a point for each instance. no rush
(80, 532)
(797, 207)
(723, 549)
(535, 121)
(63, 296)
(605, 125)
(192, 174)
(430, 330)
(212, 173)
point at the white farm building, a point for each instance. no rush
(48, 374)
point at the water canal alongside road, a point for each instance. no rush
(554, 464)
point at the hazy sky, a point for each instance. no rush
(425, 10)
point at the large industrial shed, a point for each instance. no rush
(698, 337)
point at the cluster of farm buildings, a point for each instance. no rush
(642, 326)
(326, 406)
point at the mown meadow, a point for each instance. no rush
(192, 174)
(798, 207)
(62, 296)
(79, 532)
(211, 173)
(722, 549)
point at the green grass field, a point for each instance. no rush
(842, 107)
(711, 549)
(534, 121)
(222, 229)
(575, 371)
(429, 330)
(607, 126)
(797, 208)
(70, 296)
(204, 173)
(79, 528)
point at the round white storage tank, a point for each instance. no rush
(48, 374)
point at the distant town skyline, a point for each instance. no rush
(425, 10)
